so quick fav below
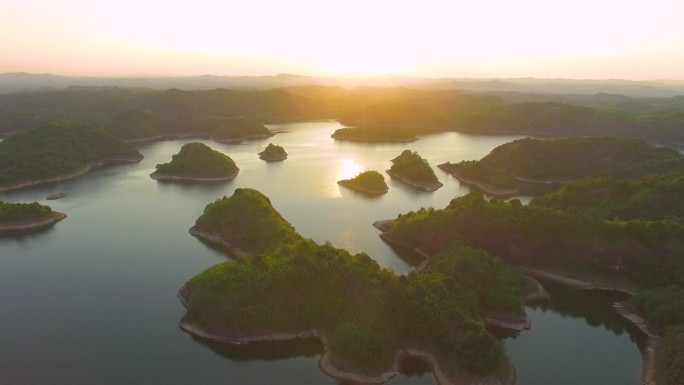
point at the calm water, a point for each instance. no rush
(92, 300)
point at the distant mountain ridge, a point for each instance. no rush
(22, 81)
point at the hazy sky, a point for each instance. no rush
(487, 38)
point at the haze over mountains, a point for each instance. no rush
(22, 82)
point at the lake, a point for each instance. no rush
(93, 299)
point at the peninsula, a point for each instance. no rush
(534, 166)
(57, 152)
(607, 233)
(414, 171)
(283, 286)
(273, 153)
(24, 217)
(197, 162)
(370, 182)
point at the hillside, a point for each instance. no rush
(273, 153)
(415, 171)
(58, 151)
(246, 222)
(529, 166)
(370, 182)
(198, 162)
(385, 114)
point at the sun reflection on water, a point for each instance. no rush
(348, 168)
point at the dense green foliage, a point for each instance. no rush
(587, 226)
(58, 150)
(664, 306)
(529, 163)
(369, 181)
(10, 212)
(273, 151)
(652, 197)
(248, 221)
(292, 284)
(670, 358)
(537, 235)
(198, 160)
(411, 166)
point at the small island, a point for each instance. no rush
(57, 152)
(197, 162)
(370, 182)
(25, 217)
(282, 287)
(415, 171)
(534, 166)
(374, 135)
(273, 153)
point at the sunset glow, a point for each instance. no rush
(580, 39)
(349, 169)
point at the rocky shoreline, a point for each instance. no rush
(181, 178)
(431, 186)
(486, 188)
(216, 239)
(33, 224)
(272, 158)
(577, 283)
(326, 366)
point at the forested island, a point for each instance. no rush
(366, 134)
(283, 286)
(273, 153)
(22, 217)
(197, 162)
(57, 152)
(415, 171)
(370, 182)
(533, 166)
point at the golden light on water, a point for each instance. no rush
(349, 169)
